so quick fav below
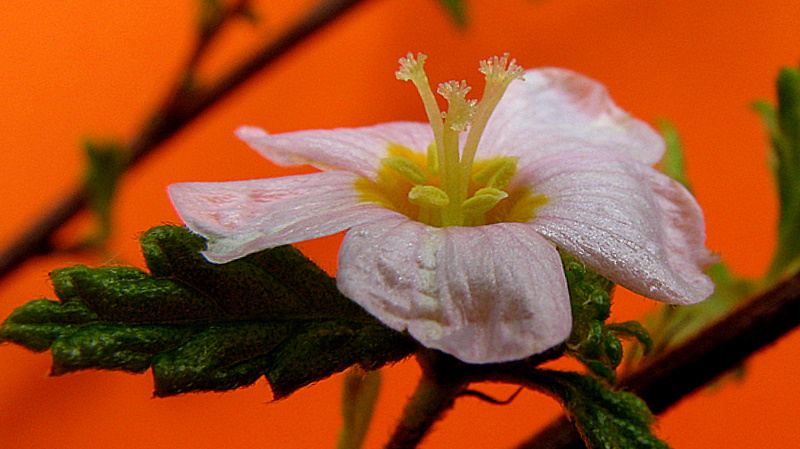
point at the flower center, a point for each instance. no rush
(447, 186)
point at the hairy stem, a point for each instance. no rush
(181, 105)
(438, 388)
(699, 360)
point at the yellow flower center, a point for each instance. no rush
(447, 186)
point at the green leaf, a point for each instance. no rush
(202, 326)
(783, 127)
(457, 10)
(673, 164)
(106, 164)
(606, 419)
(359, 396)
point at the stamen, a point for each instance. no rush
(498, 173)
(483, 201)
(433, 160)
(428, 196)
(499, 72)
(407, 169)
(460, 111)
(411, 69)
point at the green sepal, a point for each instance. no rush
(593, 342)
(597, 368)
(633, 329)
(605, 418)
(202, 326)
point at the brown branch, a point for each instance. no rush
(181, 105)
(699, 360)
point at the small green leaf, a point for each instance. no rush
(106, 164)
(605, 418)
(457, 10)
(359, 396)
(673, 164)
(202, 326)
(783, 127)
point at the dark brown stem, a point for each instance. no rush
(182, 104)
(699, 360)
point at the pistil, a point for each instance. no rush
(449, 203)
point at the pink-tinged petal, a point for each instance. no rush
(684, 228)
(483, 294)
(624, 220)
(240, 218)
(557, 108)
(358, 150)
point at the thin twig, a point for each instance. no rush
(181, 105)
(699, 360)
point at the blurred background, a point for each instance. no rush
(75, 69)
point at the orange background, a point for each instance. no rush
(72, 69)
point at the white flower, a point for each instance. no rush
(453, 225)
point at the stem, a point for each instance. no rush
(699, 360)
(179, 108)
(438, 388)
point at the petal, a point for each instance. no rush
(624, 220)
(359, 150)
(483, 294)
(556, 109)
(684, 228)
(240, 218)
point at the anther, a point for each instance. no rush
(498, 173)
(409, 170)
(483, 201)
(428, 196)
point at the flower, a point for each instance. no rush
(453, 225)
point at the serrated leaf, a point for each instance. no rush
(783, 126)
(457, 10)
(605, 418)
(202, 326)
